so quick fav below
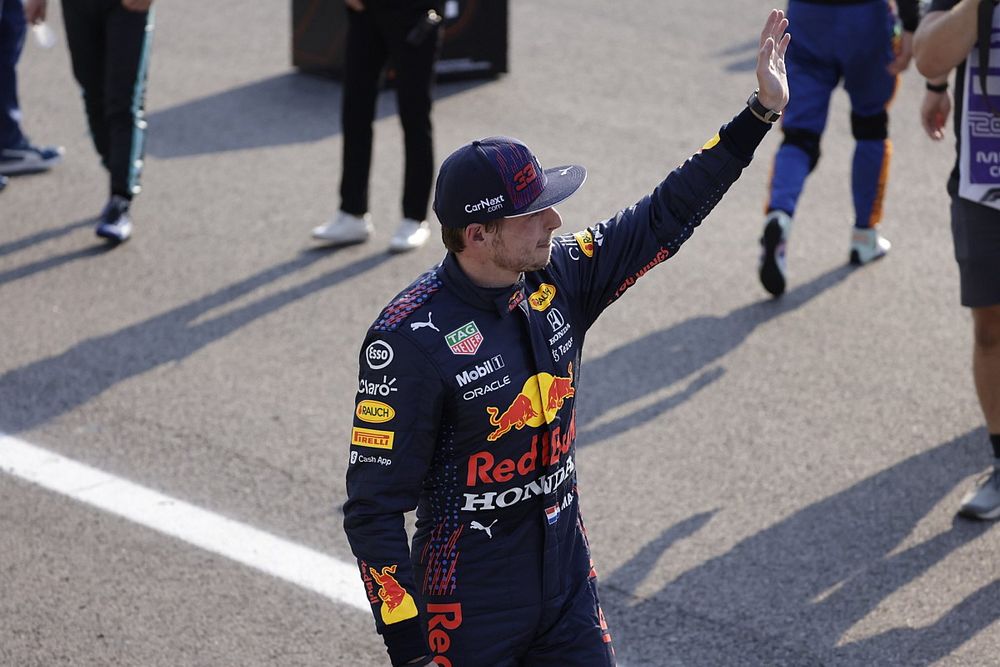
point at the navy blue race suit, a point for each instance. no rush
(466, 411)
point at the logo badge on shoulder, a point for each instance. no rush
(378, 354)
(586, 242)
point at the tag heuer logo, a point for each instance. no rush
(465, 340)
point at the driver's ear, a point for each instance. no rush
(475, 234)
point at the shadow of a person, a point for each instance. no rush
(788, 594)
(45, 389)
(671, 355)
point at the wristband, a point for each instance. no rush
(760, 111)
(936, 87)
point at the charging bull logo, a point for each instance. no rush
(397, 604)
(529, 408)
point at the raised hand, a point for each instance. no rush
(772, 81)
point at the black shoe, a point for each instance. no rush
(772, 252)
(115, 224)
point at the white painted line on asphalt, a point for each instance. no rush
(244, 544)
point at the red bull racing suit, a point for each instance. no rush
(466, 411)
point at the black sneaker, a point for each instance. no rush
(772, 252)
(115, 224)
(25, 158)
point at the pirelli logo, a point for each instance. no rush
(369, 437)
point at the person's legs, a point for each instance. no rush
(12, 32)
(86, 39)
(976, 232)
(17, 154)
(986, 363)
(871, 87)
(813, 74)
(364, 58)
(580, 638)
(365, 55)
(414, 65)
(126, 62)
(983, 502)
(415, 69)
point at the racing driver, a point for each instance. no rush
(467, 390)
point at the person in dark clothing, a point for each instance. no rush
(17, 154)
(467, 391)
(109, 44)
(945, 42)
(865, 45)
(405, 33)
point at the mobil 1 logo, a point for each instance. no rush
(479, 371)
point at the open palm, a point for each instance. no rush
(772, 81)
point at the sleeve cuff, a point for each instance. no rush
(744, 133)
(909, 14)
(405, 641)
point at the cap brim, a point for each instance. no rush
(561, 183)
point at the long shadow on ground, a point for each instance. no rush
(675, 354)
(38, 392)
(280, 110)
(788, 594)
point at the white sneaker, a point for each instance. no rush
(411, 235)
(345, 229)
(983, 502)
(867, 245)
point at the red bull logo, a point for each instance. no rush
(529, 408)
(397, 604)
(443, 617)
(484, 468)
(515, 299)
(559, 390)
(661, 256)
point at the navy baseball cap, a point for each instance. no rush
(499, 177)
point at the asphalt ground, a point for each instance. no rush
(765, 482)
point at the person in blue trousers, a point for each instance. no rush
(865, 44)
(17, 154)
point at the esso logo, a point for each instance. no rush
(378, 355)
